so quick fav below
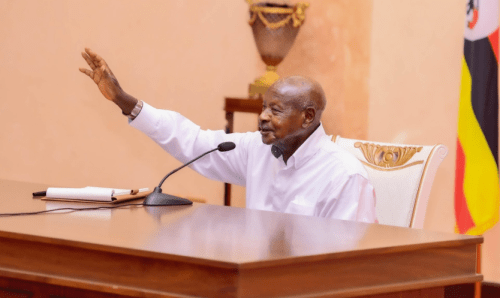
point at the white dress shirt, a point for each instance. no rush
(319, 179)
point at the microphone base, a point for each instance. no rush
(157, 198)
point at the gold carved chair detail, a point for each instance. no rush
(402, 176)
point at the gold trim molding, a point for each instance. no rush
(387, 157)
(392, 169)
(296, 14)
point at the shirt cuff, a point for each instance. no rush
(147, 121)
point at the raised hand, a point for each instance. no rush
(102, 75)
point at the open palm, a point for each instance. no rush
(101, 74)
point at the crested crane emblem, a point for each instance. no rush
(472, 13)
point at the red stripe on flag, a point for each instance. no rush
(462, 214)
(493, 37)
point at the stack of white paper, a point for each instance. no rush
(88, 193)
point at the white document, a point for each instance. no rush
(88, 193)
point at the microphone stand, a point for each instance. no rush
(157, 198)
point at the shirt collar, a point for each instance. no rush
(308, 149)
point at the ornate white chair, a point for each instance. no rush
(402, 176)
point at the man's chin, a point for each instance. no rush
(266, 139)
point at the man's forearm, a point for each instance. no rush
(126, 102)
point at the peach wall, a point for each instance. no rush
(333, 47)
(416, 53)
(58, 128)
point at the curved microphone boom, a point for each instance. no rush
(157, 198)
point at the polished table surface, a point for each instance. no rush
(218, 251)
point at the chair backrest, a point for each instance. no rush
(402, 176)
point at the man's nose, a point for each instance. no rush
(264, 115)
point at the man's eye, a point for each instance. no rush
(275, 110)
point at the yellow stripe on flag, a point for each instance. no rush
(481, 187)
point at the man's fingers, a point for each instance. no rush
(89, 61)
(86, 71)
(91, 54)
(99, 67)
(91, 74)
(98, 61)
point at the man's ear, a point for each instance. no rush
(309, 116)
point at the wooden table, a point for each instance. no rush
(217, 251)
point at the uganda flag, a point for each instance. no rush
(476, 177)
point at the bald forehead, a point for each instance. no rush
(293, 85)
(299, 91)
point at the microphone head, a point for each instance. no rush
(226, 146)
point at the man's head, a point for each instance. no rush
(291, 112)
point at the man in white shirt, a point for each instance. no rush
(290, 166)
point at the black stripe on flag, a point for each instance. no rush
(483, 69)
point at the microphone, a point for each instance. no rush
(226, 146)
(157, 198)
